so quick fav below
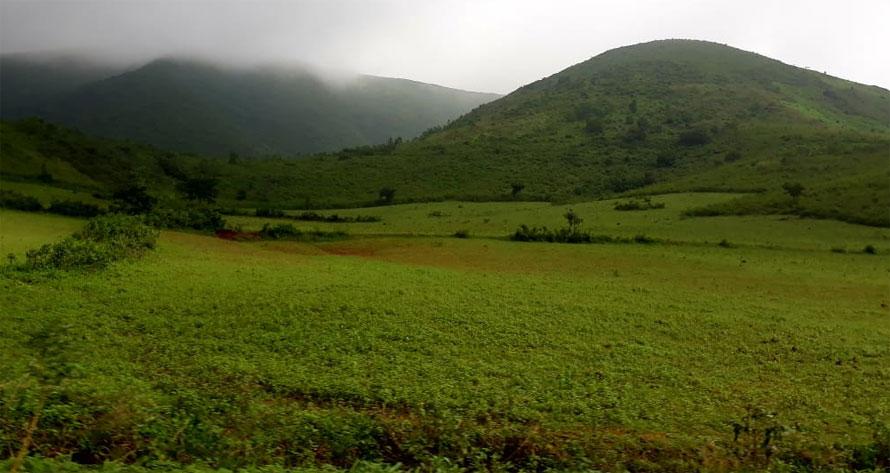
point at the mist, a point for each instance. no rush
(492, 46)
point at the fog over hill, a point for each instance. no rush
(194, 105)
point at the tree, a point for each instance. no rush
(133, 200)
(387, 195)
(594, 126)
(793, 189)
(44, 175)
(200, 188)
(574, 220)
(516, 188)
(241, 194)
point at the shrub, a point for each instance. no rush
(694, 138)
(133, 200)
(196, 218)
(102, 241)
(725, 244)
(462, 234)
(17, 201)
(645, 204)
(120, 230)
(74, 208)
(437, 214)
(870, 249)
(387, 195)
(265, 212)
(277, 232)
(286, 231)
(732, 156)
(838, 249)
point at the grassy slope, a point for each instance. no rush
(785, 124)
(261, 346)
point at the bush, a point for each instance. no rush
(133, 200)
(273, 213)
(286, 231)
(694, 138)
(73, 208)
(725, 244)
(195, 218)
(645, 204)
(462, 234)
(869, 249)
(17, 201)
(102, 241)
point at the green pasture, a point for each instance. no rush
(234, 354)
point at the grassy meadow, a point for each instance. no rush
(401, 345)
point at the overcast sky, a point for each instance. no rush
(493, 46)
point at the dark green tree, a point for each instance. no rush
(793, 189)
(202, 189)
(387, 195)
(516, 188)
(574, 220)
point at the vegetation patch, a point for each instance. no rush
(638, 204)
(102, 241)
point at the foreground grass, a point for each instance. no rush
(490, 353)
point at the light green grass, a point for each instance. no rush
(256, 341)
(22, 231)
(48, 194)
(502, 218)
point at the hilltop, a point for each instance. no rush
(190, 105)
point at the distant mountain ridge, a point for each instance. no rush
(196, 106)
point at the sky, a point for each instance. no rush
(482, 45)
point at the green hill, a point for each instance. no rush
(660, 117)
(194, 106)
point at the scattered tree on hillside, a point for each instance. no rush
(516, 188)
(793, 189)
(387, 195)
(200, 188)
(44, 175)
(594, 126)
(574, 220)
(133, 200)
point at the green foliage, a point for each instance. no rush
(102, 241)
(289, 356)
(202, 189)
(462, 234)
(638, 204)
(286, 231)
(74, 208)
(15, 200)
(749, 125)
(133, 200)
(194, 217)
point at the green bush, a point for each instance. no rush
(196, 218)
(102, 241)
(73, 208)
(462, 234)
(286, 231)
(267, 212)
(17, 201)
(870, 249)
(645, 204)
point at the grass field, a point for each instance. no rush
(488, 353)
(498, 219)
